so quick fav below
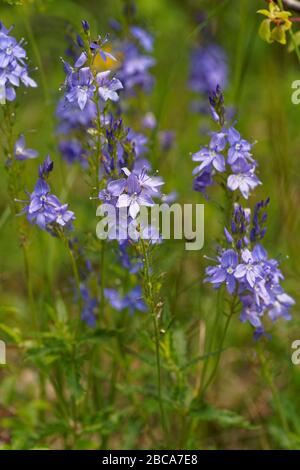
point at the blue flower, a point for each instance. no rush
(108, 87)
(21, 152)
(239, 147)
(243, 177)
(225, 271)
(13, 67)
(80, 87)
(208, 69)
(89, 306)
(145, 39)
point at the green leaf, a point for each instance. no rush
(295, 42)
(222, 417)
(13, 333)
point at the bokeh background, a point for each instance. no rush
(259, 89)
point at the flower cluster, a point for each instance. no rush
(21, 152)
(276, 25)
(87, 93)
(128, 195)
(208, 69)
(228, 154)
(135, 63)
(244, 267)
(45, 209)
(13, 67)
(132, 300)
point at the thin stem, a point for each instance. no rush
(151, 303)
(220, 348)
(269, 379)
(291, 34)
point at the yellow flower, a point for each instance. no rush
(99, 65)
(277, 17)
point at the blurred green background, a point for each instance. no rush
(260, 78)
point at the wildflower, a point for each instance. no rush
(108, 87)
(239, 148)
(209, 157)
(277, 18)
(13, 67)
(250, 274)
(81, 87)
(149, 121)
(243, 178)
(166, 140)
(46, 167)
(225, 271)
(135, 197)
(145, 39)
(208, 69)
(89, 306)
(134, 69)
(45, 209)
(21, 152)
(132, 300)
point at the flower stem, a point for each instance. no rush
(269, 379)
(151, 303)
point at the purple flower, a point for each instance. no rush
(208, 157)
(89, 306)
(239, 148)
(134, 301)
(13, 67)
(250, 270)
(243, 178)
(44, 209)
(147, 183)
(225, 271)
(134, 70)
(149, 121)
(144, 38)
(203, 181)
(281, 306)
(46, 167)
(72, 151)
(166, 140)
(135, 197)
(81, 87)
(108, 87)
(208, 69)
(20, 151)
(114, 298)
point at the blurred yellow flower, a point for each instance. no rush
(277, 17)
(101, 65)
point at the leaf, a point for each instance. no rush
(98, 334)
(222, 417)
(295, 42)
(265, 30)
(13, 333)
(180, 346)
(203, 357)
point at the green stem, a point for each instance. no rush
(291, 34)
(205, 385)
(37, 55)
(269, 379)
(151, 303)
